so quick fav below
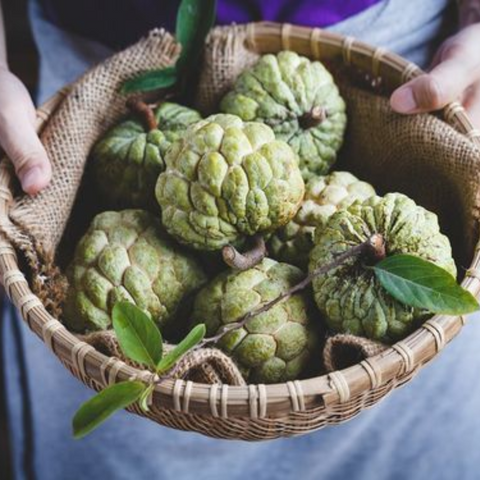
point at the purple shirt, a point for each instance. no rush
(118, 23)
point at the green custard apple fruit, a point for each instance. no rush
(126, 256)
(227, 180)
(350, 297)
(323, 197)
(126, 162)
(274, 346)
(298, 98)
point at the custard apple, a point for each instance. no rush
(274, 346)
(125, 256)
(349, 296)
(226, 180)
(323, 197)
(299, 100)
(128, 159)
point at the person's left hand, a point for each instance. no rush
(455, 75)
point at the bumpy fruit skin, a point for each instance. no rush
(323, 197)
(226, 180)
(274, 346)
(127, 160)
(125, 256)
(281, 90)
(349, 297)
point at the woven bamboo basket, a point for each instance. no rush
(257, 412)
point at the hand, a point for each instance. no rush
(18, 137)
(455, 75)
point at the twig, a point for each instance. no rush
(243, 261)
(314, 117)
(377, 251)
(373, 248)
(144, 111)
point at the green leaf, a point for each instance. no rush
(195, 18)
(152, 80)
(422, 284)
(138, 336)
(195, 336)
(96, 410)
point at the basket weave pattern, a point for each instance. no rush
(254, 412)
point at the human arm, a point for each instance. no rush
(454, 74)
(17, 127)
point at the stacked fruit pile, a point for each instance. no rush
(198, 190)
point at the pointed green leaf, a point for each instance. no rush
(152, 80)
(195, 18)
(422, 284)
(195, 336)
(96, 410)
(138, 336)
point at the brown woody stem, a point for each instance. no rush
(373, 248)
(313, 118)
(144, 111)
(243, 261)
(376, 249)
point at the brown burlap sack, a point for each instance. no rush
(91, 107)
(342, 351)
(419, 155)
(206, 365)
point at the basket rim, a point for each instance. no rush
(399, 362)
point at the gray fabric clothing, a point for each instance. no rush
(398, 25)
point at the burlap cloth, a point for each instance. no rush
(418, 155)
(342, 351)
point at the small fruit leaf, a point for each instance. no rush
(138, 336)
(195, 336)
(96, 410)
(422, 284)
(195, 18)
(152, 80)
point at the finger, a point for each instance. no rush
(434, 90)
(472, 104)
(22, 145)
(18, 137)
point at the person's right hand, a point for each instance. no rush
(18, 137)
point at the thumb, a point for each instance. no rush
(432, 91)
(445, 83)
(23, 147)
(18, 137)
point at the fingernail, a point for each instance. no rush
(30, 178)
(403, 100)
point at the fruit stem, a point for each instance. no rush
(144, 112)
(243, 261)
(313, 118)
(376, 249)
